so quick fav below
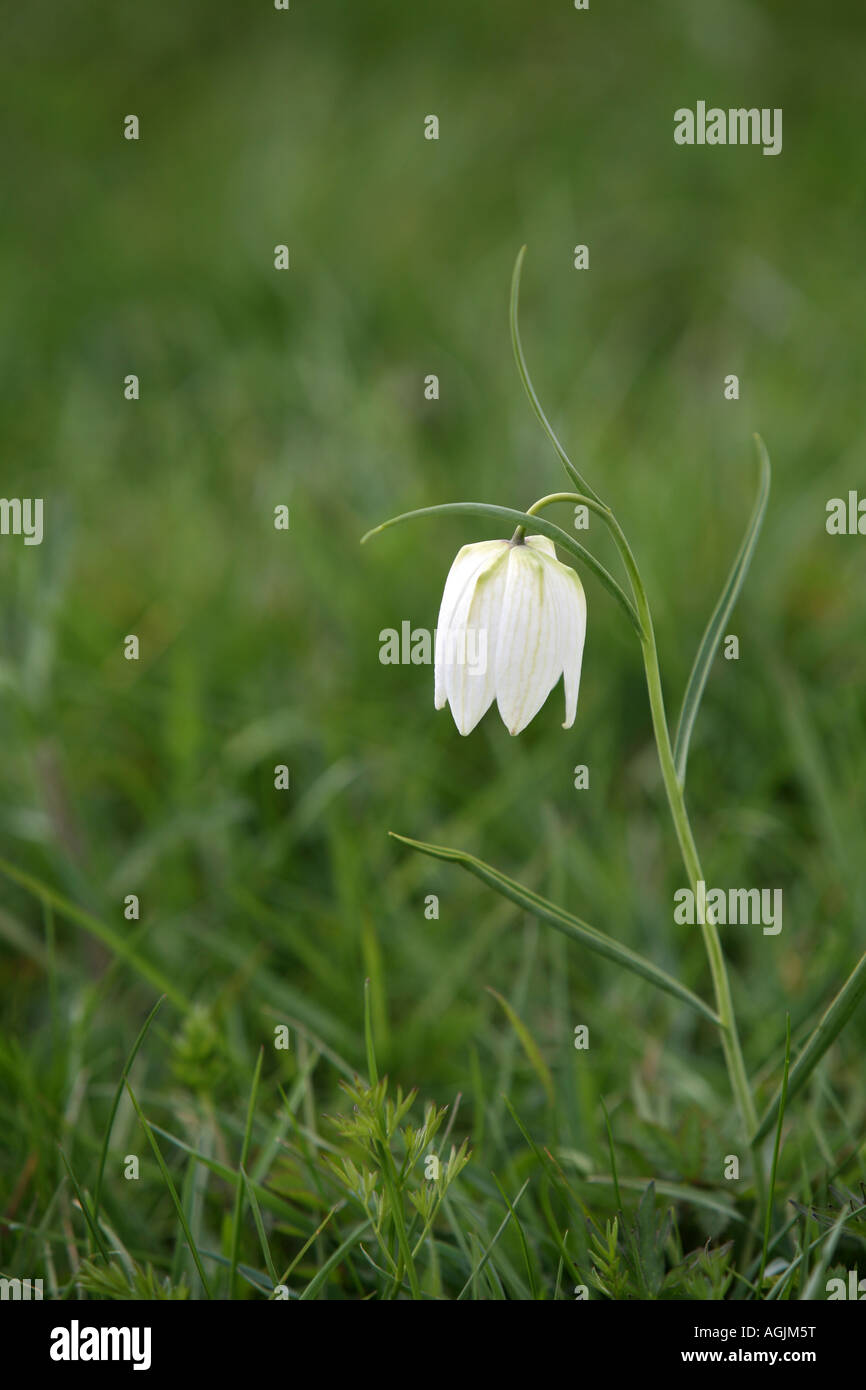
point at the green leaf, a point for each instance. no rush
(843, 1201)
(722, 611)
(260, 1227)
(528, 1043)
(651, 1232)
(782, 1102)
(571, 926)
(372, 1069)
(817, 1279)
(241, 1178)
(829, 1028)
(612, 1152)
(536, 525)
(719, 1203)
(116, 1102)
(82, 1202)
(335, 1258)
(512, 1208)
(107, 935)
(703, 1274)
(166, 1176)
(527, 1259)
(113, 1282)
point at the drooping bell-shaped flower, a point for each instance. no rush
(511, 622)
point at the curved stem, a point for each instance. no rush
(592, 503)
(523, 372)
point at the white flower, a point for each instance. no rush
(522, 615)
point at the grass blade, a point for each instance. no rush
(678, 1192)
(817, 1277)
(304, 1248)
(528, 1043)
(239, 1186)
(372, 1069)
(334, 1259)
(565, 922)
(110, 938)
(260, 1228)
(829, 1028)
(85, 1210)
(613, 1172)
(782, 1102)
(115, 1103)
(722, 611)
(178, 1205)
(487, 1253)
(527, 1260)
(536, 525)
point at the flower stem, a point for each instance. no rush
(724, 1003)
(676, 800)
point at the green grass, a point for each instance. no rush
(260, 908)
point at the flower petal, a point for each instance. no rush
(470, 667)
(543, 544)
(467, 565)
(527, 648)
(571, 605)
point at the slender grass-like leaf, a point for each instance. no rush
(523, 372)
(678, 1192)
(372, 1069)
(612, 1153)
(166, 1175)
(116, 1102)
(827, 1031)
(536, 525)
(260, 1227)
(543, 1159)
(85, 1210)
(528, 1043)
(818, 1275)
(782, 1102)
(831, 1234)
(239, 1185)
(334, 1259)
(722, 611)
(521, 986)
(565, 922)
(487, 1253)
(223, 1170)
(110, 938)
(527, 1259)
(386, 1274)
(305, 1247)
(253, 1277)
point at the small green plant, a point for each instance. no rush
(384, 1181)
(129, 1281)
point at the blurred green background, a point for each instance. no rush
(261, 647)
